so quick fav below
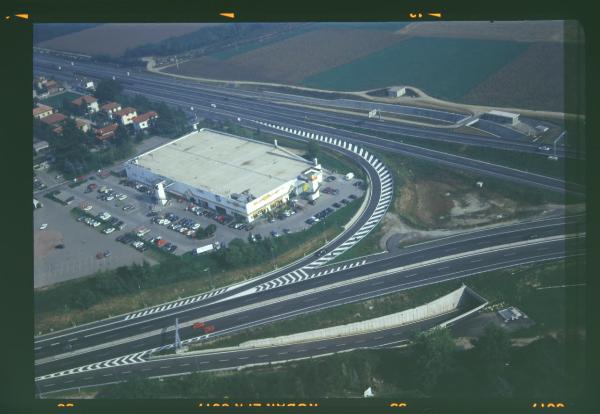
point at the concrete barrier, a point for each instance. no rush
(437, 307)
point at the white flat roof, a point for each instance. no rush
(224, 164)
(502, 113)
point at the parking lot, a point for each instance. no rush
(127, 209)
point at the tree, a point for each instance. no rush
(313, 149)
(433, 353)
(108, 90)
(210, 229)
(491, 351)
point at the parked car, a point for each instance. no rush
(337, 205)
(344, 201)
(59, 246)
(352, 196)
(44, 226)
(275, 234)
(108, 230)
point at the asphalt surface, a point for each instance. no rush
(186, 364)
(162, 324)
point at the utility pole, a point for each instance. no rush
(558, 139)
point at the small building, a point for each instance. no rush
(107, 132)
(54, 119)
(88, 102)
(110, 108)
(53, 86)
(42, 111)
(40, 146)
(125, 116)
(396, 91)
(501, 117)
(143, 121)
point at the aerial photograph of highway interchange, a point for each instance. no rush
(308, 210)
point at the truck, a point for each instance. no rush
(203, 249)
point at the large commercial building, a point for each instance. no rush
(230, 174)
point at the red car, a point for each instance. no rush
(198, 325)
(209, 329)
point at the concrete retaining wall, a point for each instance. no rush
(437, 307)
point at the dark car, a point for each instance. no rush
(59, 246)
(312, 202)
(337, 205)
(287, 231)
(344, 201)
(321, 252)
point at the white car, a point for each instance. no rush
(87, 208)
(109, 198)
(108, 230)
(122, 197)
(95, 223)
(44, 226)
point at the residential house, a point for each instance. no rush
(88, 102)
(53, 87)
(110, 108)
(83, 124)
(107, 132)
(125, 116)
(42, 111)
(54, 119)
(143, 121)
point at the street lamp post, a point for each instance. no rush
(210, 277)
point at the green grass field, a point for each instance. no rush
(57, 100)
(444, 68)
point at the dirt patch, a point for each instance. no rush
(44, 242)
(294, 59)
(115, 38)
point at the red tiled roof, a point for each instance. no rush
(125, 111)
(54, 118)
(87, 98)
(107, 130)
(40, 109)
(145, 117)
(110, 106)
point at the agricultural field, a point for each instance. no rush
(534, 80)
(443, 68)
(118, 37)
(530, 31)
(291, 60)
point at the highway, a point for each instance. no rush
(534, 253)
(118, 338)
(248, 106)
